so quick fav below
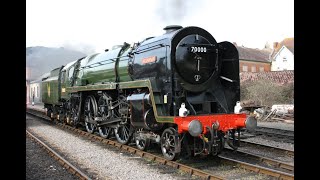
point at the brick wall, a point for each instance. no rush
(250, 64)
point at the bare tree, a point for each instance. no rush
(267, 93)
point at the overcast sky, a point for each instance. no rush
(94, 25)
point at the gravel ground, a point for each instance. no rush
(39, 165)
(233, 172)
(269, 154)
(96, 159)
(267, 142)
(279, 125)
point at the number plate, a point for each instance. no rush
(195, 49)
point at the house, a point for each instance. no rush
(283, 55)
(28, 75)
(253, 60)
(35, 86)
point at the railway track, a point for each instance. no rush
(258, 159)
(284, 152)
(66, 164)
(258, 169)
(204, 174)
(274, 134)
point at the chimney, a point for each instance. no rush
(267, 45)
(275, 45)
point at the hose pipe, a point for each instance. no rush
(233, 142)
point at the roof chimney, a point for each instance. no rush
(267, 45)
(171, 28)
(275, 45)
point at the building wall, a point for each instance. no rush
(35, 89)
(284, 60)
(252, 66)
(27, 91)
(28, 75)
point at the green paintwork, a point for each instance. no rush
(50, 91)
(99, 75)
(134, 84)
(102, 68)
(64, 83)
(110, 86)
(123, 67)
(49, 88)
(66, 74)
(165, 119)
(107, 86)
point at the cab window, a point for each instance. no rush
(70, 74)
(63, 74)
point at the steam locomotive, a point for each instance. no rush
(180, 90)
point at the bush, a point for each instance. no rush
(267, 93)
(288, 93)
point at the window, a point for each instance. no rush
(33, 92)
(245, 68)
(63, 73)
(253, 68)
(285, 63)
(70, 73)
(285, 59)
(261, 69)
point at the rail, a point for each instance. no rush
(72, 169)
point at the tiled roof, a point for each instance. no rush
(288, 42)
(253, 54)
(279, 77)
